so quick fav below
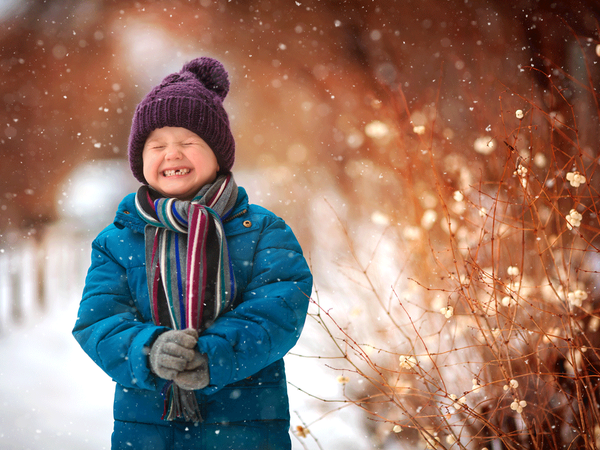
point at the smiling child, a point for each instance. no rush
(194, 295)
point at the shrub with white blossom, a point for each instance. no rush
(487, 334)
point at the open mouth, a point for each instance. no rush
(172, 173)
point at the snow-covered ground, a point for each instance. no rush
(52, 396)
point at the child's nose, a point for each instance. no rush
(173, 152)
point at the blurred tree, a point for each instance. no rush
(60, 90)
(307, 78)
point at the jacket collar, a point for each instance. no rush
(127, 215)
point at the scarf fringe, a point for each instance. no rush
(180, 404)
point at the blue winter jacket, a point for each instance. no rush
(245, 345)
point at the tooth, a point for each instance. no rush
(170, 172)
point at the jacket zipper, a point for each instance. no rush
(241, 213)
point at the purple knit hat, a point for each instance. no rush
(192, 99)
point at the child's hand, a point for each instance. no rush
(196, 374)
(172, 351)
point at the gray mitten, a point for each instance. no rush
(196, 374)
(172, 351)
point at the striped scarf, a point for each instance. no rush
(190, 278)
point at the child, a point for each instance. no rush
(194, 295)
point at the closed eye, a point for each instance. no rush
(154, 144)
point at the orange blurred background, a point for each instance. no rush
(307, 77)
(373, 114)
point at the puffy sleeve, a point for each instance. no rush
(268, 320)
(109, 327)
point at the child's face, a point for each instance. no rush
(177, 162)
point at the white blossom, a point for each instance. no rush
(540, 160)
(380, 218)
(419, 129)
(458, 402)
(521, 171)
(411, 233)
(519, 114)
(573, 219)
(377, 129)
(407, 362)
(447, 312)
(428, 219)
(575, 178)
(513, 271)
(594, 324)
(507, 300)
(576, 298)
(342, 379)
(484, 145)
(518, 406)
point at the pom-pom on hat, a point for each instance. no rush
(192, 99)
